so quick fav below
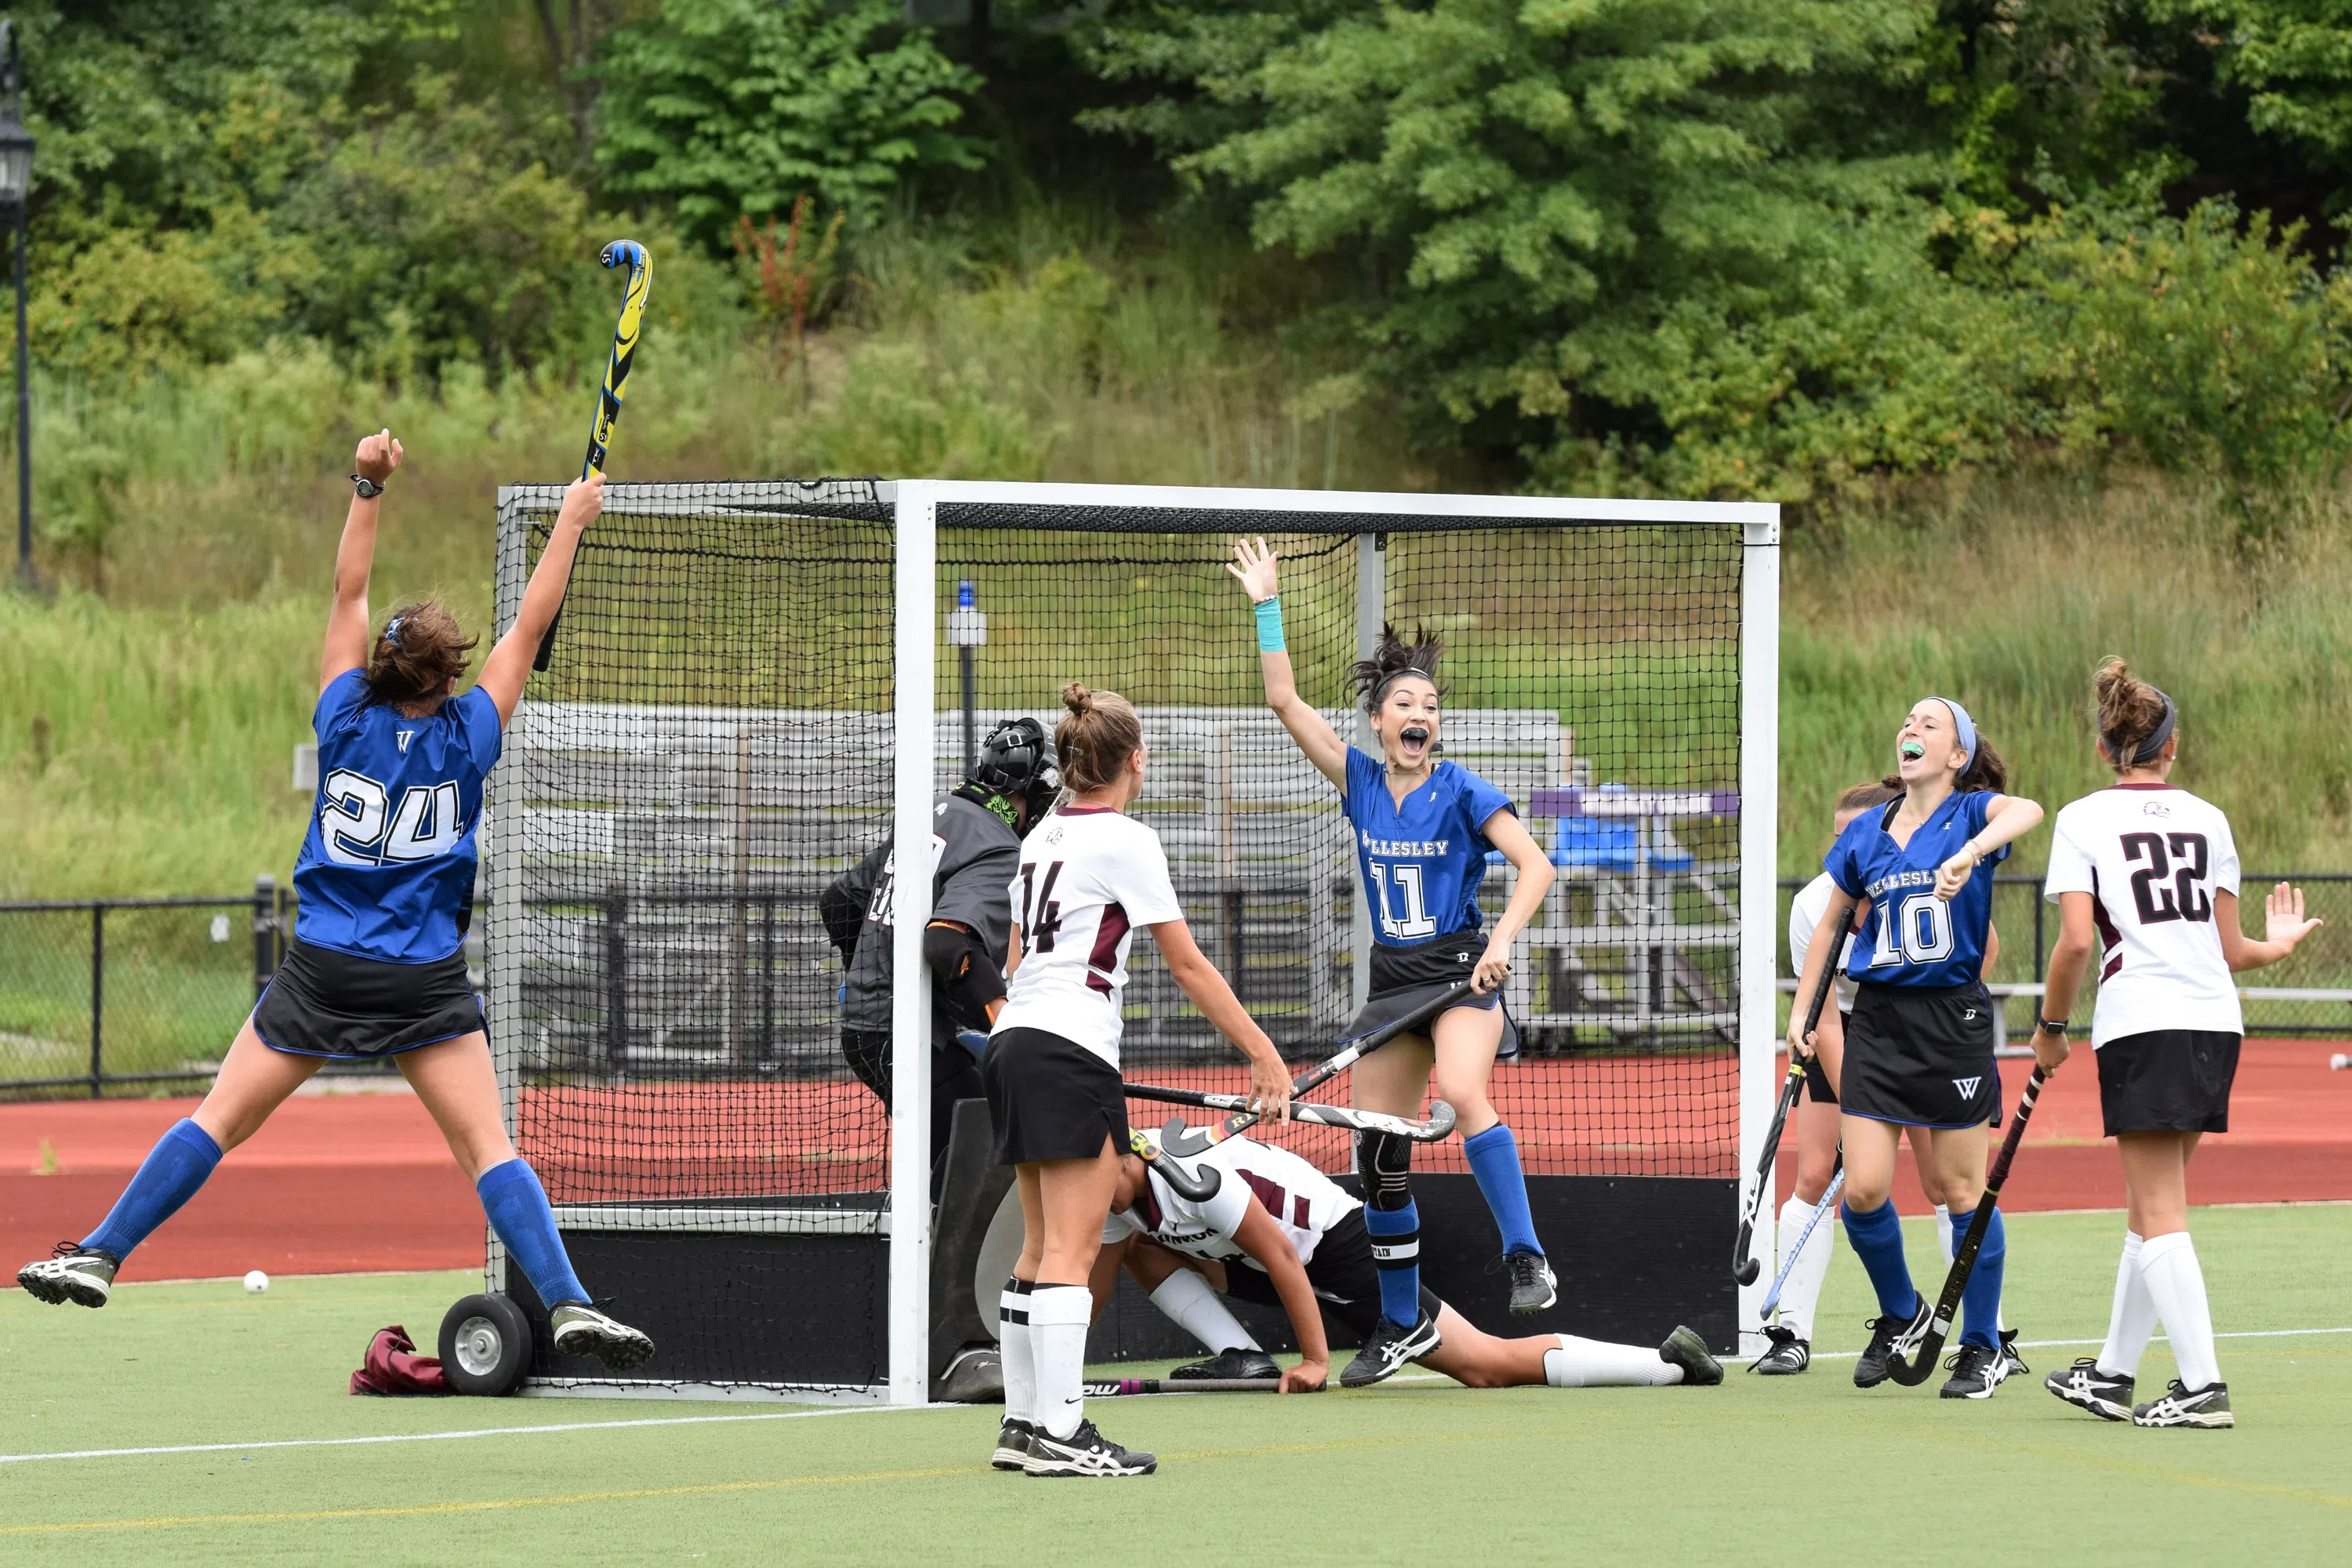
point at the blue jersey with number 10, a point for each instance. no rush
(1422, 862)
(1911, 937)
(387, 868)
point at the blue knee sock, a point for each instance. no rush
(178, 1164)
(1495, 1161)
(1396, 1253)
(517, 1206)
(1877, 1238)
(1980, 1299)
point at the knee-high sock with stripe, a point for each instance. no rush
(1057, 1332)
(517, 1207)
(1877, 1240)
(1803, 1290)
(2131, 1316)
(1597, 1364)
(1396, 1254)
(1019, 1354)
(180, 1162)
(2174, 1282)
(1980, 1297)
(1493, 1157)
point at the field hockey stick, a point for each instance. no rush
(1112, 1388)
(1744, 1265)
(1912, 1373)
(1829, 1201)
(1198, 1140)
(1439, 1127)
(1193, 1187)
(617, 382)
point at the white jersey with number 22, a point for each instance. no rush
(1089, 875)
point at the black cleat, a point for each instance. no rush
(1686, 1350)
(1012, 1446)
(2208, 1407)
(1534, 1286)
(1889, 1338)
(1085, 1452)
(1788, 1355)
(1385, 1354)
(83, 1276)
(1977, 1370)
(1237, 1361)
(2084, 1387)
(2013, 1363)
(579, 1329)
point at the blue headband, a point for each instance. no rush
(1965, 725)
(392, 628)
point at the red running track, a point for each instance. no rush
(363, 1182)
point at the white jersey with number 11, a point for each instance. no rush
(1089, 875)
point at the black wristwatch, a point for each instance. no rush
(2047, 1027)
(366, 489)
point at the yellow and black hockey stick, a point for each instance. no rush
(625, 332)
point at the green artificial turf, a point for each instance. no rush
(1802, 1471)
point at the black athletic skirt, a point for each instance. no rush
(1405, 978)
(322, 1003)
(1342, 1273)
(1052, 1099)
(2167, 1081)
(1921, 1057)
(1817, 1081)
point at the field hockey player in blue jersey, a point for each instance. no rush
(1919, 1043)
(386, 878)
(1423, 829)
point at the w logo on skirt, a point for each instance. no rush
(1967, 1086)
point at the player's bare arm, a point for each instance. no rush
(1506, 833)
(1198, 979)
(1252, 566)
(346, 645)
(1262, 1239)
(509, 666)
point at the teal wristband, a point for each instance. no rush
(1269, 626)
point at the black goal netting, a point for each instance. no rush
(712, 745)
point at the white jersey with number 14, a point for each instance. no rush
(2151, 856)
(1089, 875)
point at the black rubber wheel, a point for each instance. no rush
(485, 1346)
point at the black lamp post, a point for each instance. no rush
(16, 194)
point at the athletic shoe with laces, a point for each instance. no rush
(580, 1328)
(82, 1275)
(1387, 1351)
(1890, 1337)
(1977, 1370)
(2102, 1393)
(1012, 1446)
(1534, 1286)
(1788, 1355)
(2011, 1359)
(2208, 1407)
(1686, 1350)
(1237, 1361)
(1085, 1452)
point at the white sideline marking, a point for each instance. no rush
(2056, 1345)
(477, 1432)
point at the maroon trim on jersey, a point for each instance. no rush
(1268, 1192)
(2143, 786)
(1085, 811)
(1147, 1205)
(1103, 962)
(2106, 932)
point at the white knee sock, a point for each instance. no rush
(1950, 1240)
(2168, 1264)
(1802, 1291)
(1057, 1329)
(1018, 1350)
(1597, 1364)
(2132, 1317)
(1200, 1312)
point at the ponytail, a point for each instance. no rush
(1095, 737)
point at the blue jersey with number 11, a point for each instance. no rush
(1421, 861)
(1911, 937)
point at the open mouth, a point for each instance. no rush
(1413, 737)
(1911, 750)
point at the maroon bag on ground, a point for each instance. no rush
(392, 1366)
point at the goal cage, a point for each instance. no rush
(753, 683)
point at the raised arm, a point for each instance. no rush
(509, 665)
(346, 645)
(2283, 926)
(1253, 568)
(2008, 818)
(1269, 1080)
(1264, 1240)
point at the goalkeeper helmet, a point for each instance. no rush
(1016, 761)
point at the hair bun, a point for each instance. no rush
(1077, 698)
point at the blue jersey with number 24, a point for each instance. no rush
(387, 868)
(1422, 862)
(1911, 937)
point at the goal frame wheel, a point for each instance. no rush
(485, 1346)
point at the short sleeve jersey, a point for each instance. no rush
(1423, 861)
(1805, 912)
(2151, 856)
(1301, 1199)
(1911, 937)
(975, 853)
(388, 865)
(1087, 876)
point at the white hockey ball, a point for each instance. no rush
(255, 1282)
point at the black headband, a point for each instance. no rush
(1380, 690)
(2154, 744)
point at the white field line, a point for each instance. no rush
(2058, 1344)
